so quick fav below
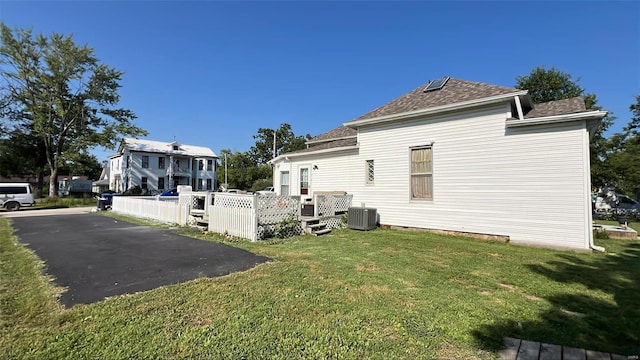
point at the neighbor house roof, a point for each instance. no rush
(165, 147)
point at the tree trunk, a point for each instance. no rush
(53, 182)
(40, 181)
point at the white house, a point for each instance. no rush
(156, 165)
(460, 156)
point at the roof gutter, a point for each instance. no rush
(305, 153)
(589, 115)
(435, 110)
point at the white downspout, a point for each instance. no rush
(587, 182)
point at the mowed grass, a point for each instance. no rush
(383, 294)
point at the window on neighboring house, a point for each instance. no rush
(284, 183)
(145, 161)
(175, 147)
(422, 173)
(209, 165)
(161, 160)
(200, 184)
(161, 183)
(126, 160)
(144, 183)
(193, 183)
(177, 165)
(370, 172)
(200, 164)
(209, 184)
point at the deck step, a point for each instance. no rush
(316, 226)
(321, 232)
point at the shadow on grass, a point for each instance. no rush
(581, 320)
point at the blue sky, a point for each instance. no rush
(211, 73)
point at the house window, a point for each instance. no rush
(304, 181)
(200, 164)
(209, 165)
(209, 184)
(284, 183)
(126, 162)
(422, 173)
(175, 147)
(370, 172)
(161, 162)
(200, 183)
(177, 165)
(161, 183)
(145, 161)
(144, 183)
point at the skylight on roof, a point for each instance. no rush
(436, 84)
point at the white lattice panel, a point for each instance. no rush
(330, 205)
(274, 209)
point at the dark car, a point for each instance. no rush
(170, 192)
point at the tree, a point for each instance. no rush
(624, 162)
(551, 85)
(62, 94)
(286, 141)
(241, 170)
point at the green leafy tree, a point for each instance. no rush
(624, 162)
(552, 84)
(286, 141)
(81, 164)
(62, 93)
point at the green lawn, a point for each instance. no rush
(383, 294)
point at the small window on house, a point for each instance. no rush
(175, 147)
(209, 184)
(209, 165)
(422, 173)
(370, 172)
(145, 161)
(200, 164)
(126, 161)
(161, 162)
(284, 183)
(161, 183)
(144, 183)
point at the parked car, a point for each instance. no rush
(170, 192)
(269, 190)
(625, 202)
(15, 195)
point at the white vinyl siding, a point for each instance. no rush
(529, 183)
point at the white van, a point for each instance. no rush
(15, 195)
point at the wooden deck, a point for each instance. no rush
(516, 349)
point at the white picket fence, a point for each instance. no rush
(151, 207)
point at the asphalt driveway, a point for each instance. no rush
(96, 256)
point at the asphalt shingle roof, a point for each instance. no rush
(339, 132)
(559, 107)
(454, 91)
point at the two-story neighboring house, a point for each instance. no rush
(156, 165)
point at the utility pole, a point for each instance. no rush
(226, 181)
(274, 144)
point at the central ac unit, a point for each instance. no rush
(361, 218)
